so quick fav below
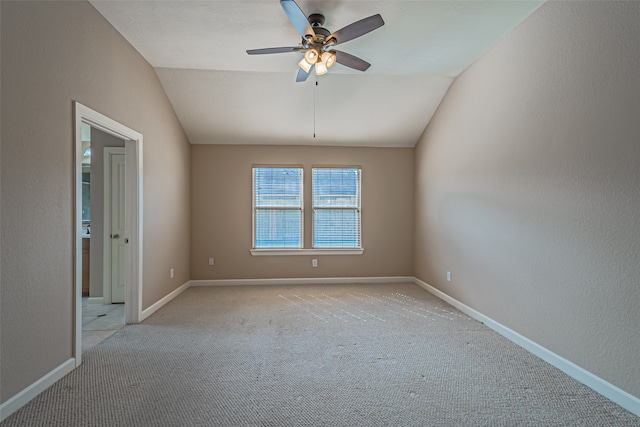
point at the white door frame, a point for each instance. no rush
(106, 234)
(133, 216)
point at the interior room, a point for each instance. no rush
(491, 150)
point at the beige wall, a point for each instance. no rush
(528, 186)
(221, 212)
(52, 54)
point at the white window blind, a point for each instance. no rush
(277, 207)
(336, 208)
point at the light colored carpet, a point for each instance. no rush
(348, 355)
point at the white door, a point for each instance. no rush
(117, 231)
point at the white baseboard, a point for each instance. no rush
(303, 281)
(22, 398)
(628, 401)
(157, 305)
(95, 300)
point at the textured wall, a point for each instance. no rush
(52, 54)
(528, 186)
(221, 212)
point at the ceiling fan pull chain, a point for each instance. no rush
(314, 107)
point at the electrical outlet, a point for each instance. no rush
(210, 261)
(448, 276)
(314, 262)
(171, 273)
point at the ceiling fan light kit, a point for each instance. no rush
(322, 62)
(318, 43)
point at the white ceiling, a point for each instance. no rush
(224, 96)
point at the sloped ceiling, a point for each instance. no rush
(224, 96)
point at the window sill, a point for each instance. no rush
(287, 252)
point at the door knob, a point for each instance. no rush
(115, 236)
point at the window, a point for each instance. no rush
(277, 207)
(336, 208)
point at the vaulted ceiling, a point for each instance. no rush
(221, 95)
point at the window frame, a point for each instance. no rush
(357, 208)
(254, 207)
(303, 250)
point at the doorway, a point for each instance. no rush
(131, 255)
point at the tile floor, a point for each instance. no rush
(99, 322)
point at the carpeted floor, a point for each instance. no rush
(347, 355)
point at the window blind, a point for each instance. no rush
(277, 201)
(336, 207)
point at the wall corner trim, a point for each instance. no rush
(26, 395)
(158, 304)
(626, 400)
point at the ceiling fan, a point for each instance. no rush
(317, 42)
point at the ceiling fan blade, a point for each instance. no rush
(302, 74)
(351, 61)
(274, 50)
(297, 18)
(357, 29)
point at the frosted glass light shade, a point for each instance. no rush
(311, 56)
(329, 59)
(321, 69)
(304, 65)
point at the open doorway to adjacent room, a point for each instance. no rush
(108, 225)
(103, 230)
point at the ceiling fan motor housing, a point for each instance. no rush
(317, 21)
